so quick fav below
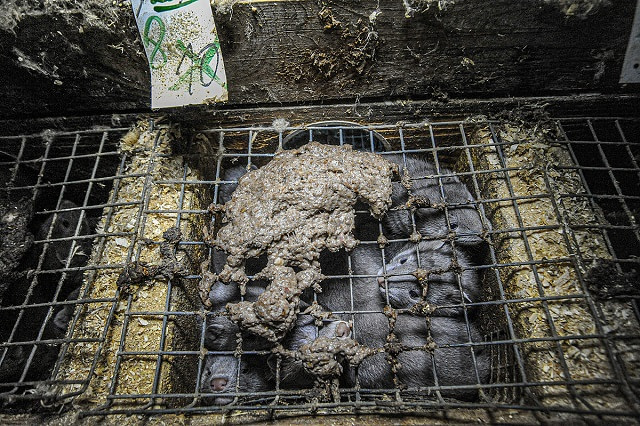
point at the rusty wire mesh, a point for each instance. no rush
(537, 368)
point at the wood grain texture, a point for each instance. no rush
(297, 52)
(389, 112)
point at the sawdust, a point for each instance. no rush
(547, 267)
(124, 229)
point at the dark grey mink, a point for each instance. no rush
(63, 317)
(370, 325)
(258, 372)
(68, 225)
(453, 366)
(225, 374)
(448, 285)
(231, 174)
(66, 249)
(292, 373)
(222, 293)
(430, 222)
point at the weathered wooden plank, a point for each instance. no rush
(282, 52)
(503, 47)
(61, 63)
(365, 113)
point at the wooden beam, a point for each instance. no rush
(287, 52)
(199, 117)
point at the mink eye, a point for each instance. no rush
(415, 294)
(403, 261)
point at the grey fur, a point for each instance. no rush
(454, 366)
(15, 364)
(63, 317)
(64, 225)
(430, 222)
(221, 335)
(58, 255)
(370, 325)
(223, 293)
(292, 373)
(451, 286)
(232, 174)
(221, 370)
(225, 373)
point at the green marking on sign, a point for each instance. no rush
(156, 43)
(186, 78)
(183, 51)
(208, 56)
(200, 63)
(171, 6)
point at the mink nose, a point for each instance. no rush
(219, 383)
(343, 330)
(381, 281)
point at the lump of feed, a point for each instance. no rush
(297, 205)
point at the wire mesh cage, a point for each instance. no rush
(55, 186)
(504, 274)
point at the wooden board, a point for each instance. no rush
(388, 112)
(292, 52)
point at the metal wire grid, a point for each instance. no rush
(605, 153)
(446, 140)
(289, 398)
(610, 167)
(357, 398)
(577, 258)
(44, 170)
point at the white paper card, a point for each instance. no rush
(182, 46)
